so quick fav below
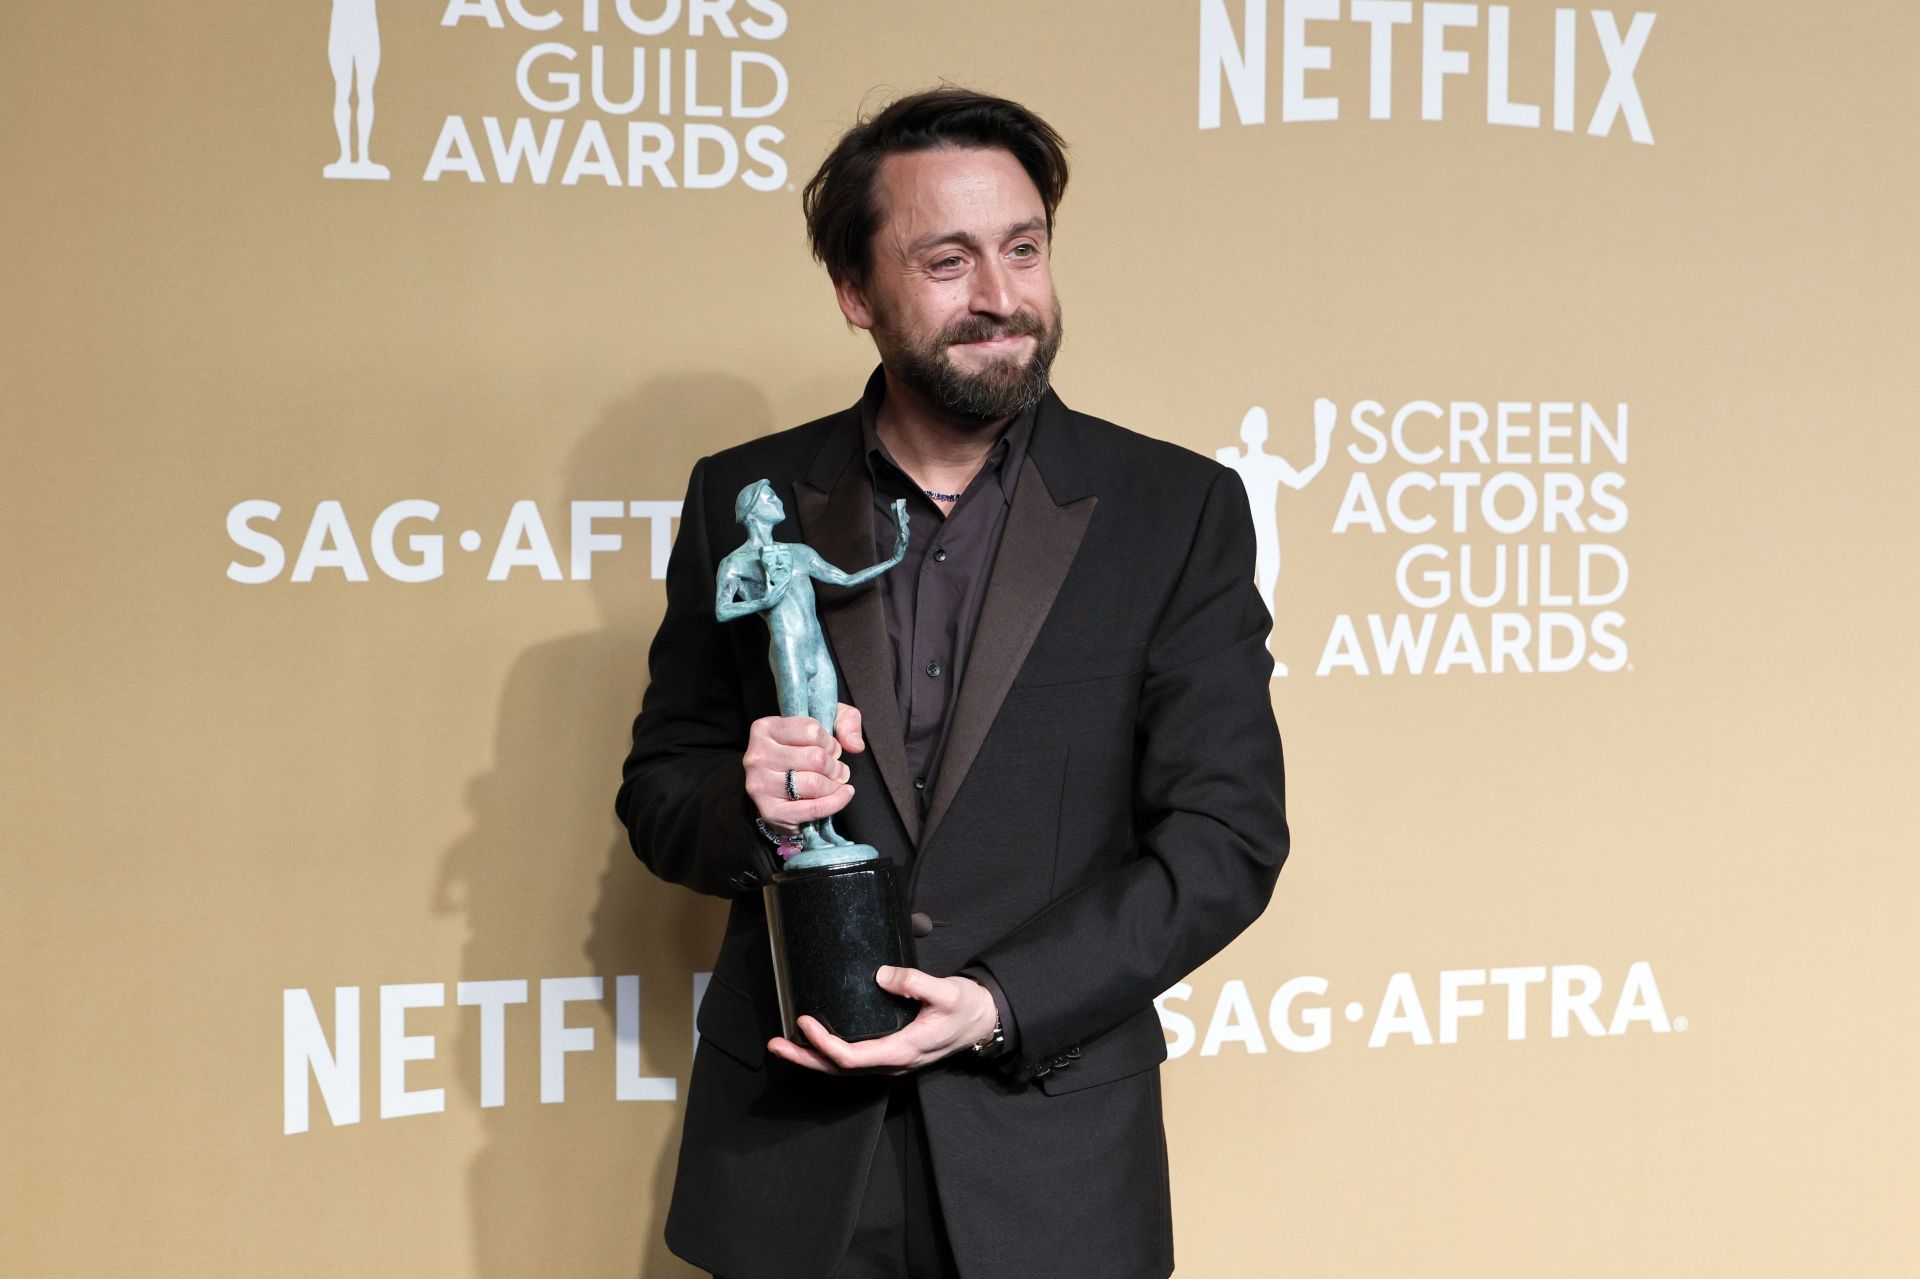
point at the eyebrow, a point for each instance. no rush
(925, 242)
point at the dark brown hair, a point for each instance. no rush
(842, 201)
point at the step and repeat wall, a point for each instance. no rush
(354, 358)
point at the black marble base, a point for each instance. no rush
(831, 928)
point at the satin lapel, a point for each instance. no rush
(839, 525)
(1036, 550)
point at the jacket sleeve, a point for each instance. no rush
(1209, 807)
(683, 798)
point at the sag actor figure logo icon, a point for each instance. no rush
(353, 49)
(1263, 473)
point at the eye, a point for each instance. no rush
(1025, 249)
(951, 262)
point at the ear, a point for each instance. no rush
(853, 304)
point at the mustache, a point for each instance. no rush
(980, 328)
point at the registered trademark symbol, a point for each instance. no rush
(1679, 1023)
(1354, 1011)
(1629, 665)
(789, 186)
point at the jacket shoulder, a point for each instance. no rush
(1118, 458)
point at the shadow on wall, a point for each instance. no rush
(550, 888)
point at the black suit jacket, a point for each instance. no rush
(1109, 814)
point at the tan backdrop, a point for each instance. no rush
(1593, 953)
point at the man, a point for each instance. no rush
(1063, 738)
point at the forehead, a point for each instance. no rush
(971, 190)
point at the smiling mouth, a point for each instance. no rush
(1004, 339)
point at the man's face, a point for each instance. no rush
(960, 300)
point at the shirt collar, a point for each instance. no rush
(1003, 462)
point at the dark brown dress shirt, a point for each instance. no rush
(932, 598)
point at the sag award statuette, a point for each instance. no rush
(833, 912)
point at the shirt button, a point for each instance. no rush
(940, 556)
(919, 783)
(933, 670)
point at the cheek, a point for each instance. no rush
(1036, 287)
(943, 310)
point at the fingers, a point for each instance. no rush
(791, 732)
(796, 747)
(890, 1055)
(771, 783)
(818, 797)
(922, 987)
(811, 760)
(800, 1055)
(937, 1031)
(852, 738)
(800, 812)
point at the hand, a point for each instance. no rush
(955, 1013)
(798, 742)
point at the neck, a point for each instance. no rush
(937, 450)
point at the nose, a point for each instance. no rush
(992, 288)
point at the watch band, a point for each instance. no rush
(992, 1042)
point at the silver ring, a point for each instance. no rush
(791, 792)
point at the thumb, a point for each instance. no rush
(852, 740)
(901, 981)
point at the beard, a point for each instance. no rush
(1003, 386)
